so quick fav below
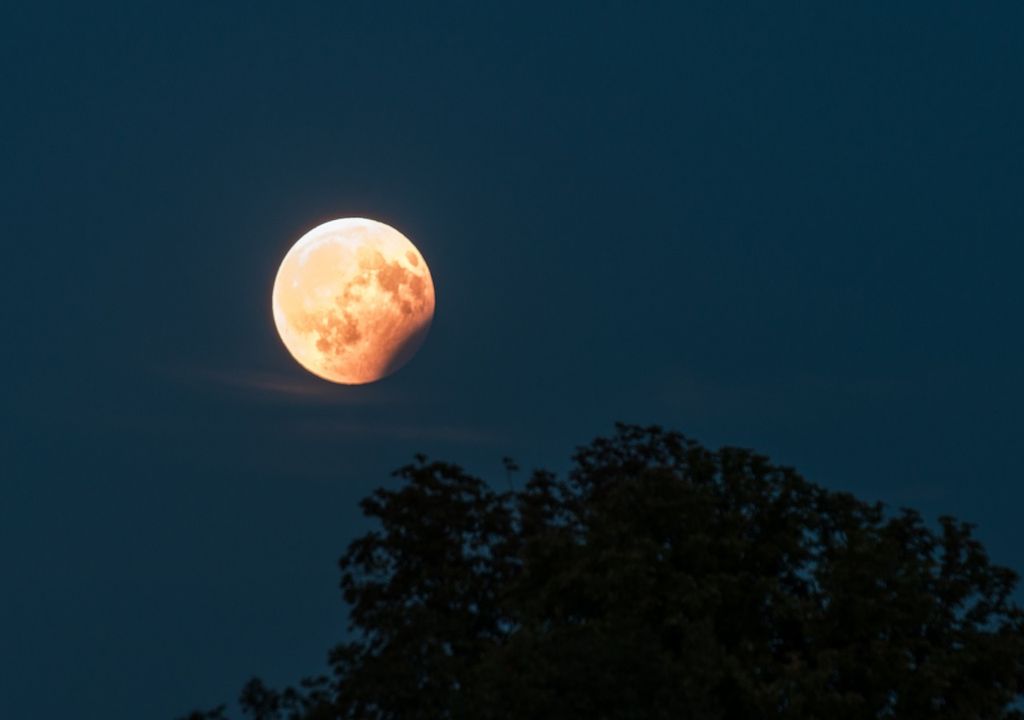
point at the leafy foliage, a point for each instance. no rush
(659, 580)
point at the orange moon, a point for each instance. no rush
(353, 300)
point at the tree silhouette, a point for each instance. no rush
(659, 580)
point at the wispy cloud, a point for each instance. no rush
(785, 396)
(362, 412)
(428, 432)
(282, 386)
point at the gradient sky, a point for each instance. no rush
(795, 227)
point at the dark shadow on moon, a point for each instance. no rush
(405, 351)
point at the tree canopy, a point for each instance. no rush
(659, 579)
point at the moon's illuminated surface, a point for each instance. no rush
(353, 300)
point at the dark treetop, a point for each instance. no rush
(660, 580)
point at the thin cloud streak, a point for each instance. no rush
(276, 385)
(426, 432)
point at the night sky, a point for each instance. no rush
(795, 227)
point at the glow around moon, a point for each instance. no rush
(353, 300)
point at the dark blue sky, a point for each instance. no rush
(796, 227)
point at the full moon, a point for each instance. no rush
(353, 300)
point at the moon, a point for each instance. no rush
(353, 300)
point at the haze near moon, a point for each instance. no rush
(353, 300)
